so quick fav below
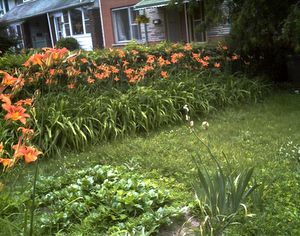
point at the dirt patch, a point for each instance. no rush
(181, 226)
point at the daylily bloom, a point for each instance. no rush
(14, 113)
(134, 52)
(234, 57)
(206, 58)
(84, 60)
(188, 48)
(90, 80)
(29, 153)
(7, 163)
(8, 79)
(217, 64)
(225, 48)
(71, 86)
(164, 74)
(116, 79)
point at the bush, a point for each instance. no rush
(70, 43)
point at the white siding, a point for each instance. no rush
(85, 41)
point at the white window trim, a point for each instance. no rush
(70, 23)
(131, 24)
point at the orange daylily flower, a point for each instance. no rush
(129, 71)
(204, 63)
(84, 60)
(52, 71)
(90, 80)
(217, 64)
(35, 59)
(71, 86)
(206, 58)
(7, 163)
(175, 45)
(29, 153)
(225, 48)
(8, 79)
(164, 74)
(26, 131)
(134, 52)
(114, 69)
(14, 113)
(188, 48)
(125, 63)
(116, 79)
(234, 57)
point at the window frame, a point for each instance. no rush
(131, 25)
(82, 9)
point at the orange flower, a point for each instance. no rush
(204, 63)
(71, 86)
(225, 48)
(134, 52)
(234, 57)
(129, 71)
(84, 60)
(90, 80)
(116, 79)
(28, 152)
(8, 79)
(6, 163)
(38, 73)
(196, 55)
(114, 69)
(52, 71)
(28, 132)
(217, 64)
(188, 48)
(175, 45)
(15, 113)
(125, 63)
(164, 74)
(206, 58)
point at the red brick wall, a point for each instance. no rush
(96, 29)
(106, 6)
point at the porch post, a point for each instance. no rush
(50, 29)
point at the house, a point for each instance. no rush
(40, 23)
(102, 23)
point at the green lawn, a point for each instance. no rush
(263, 134)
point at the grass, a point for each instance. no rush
(250, 135)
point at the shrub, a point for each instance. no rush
(70, 43)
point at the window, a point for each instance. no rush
(4, 7)
(124, 27)
(197, 18)
(76, 21)
(20, 1)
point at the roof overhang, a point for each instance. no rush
(29, 9)
(146, 4)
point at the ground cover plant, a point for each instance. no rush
(112, 113)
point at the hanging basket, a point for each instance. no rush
(141, 19)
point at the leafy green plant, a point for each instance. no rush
(69, 42)
(221, 194)
(102, 198)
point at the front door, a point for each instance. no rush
(173, 24)
(58, 24)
